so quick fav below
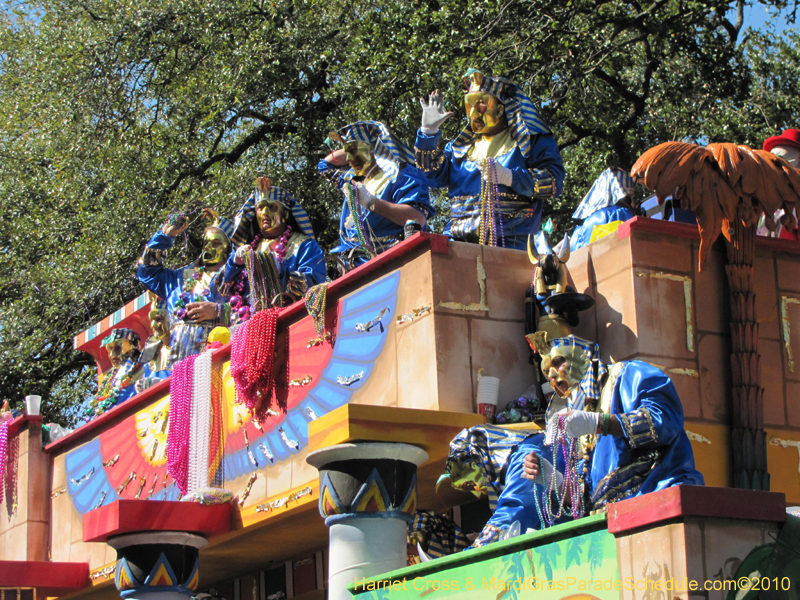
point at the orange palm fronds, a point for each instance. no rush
(717, 181)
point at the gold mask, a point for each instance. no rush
(485, 113)
(270, 216)
(564, 367)
(215, 248)
(159, 322)
(359, 155)
(118, 352)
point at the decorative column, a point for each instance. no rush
(158, 565)
(157, 556)
(368, 494)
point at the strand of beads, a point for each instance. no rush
(3, 453)
(351, 194)
(491, 218)
(200, 423)
(265, 285)
(252, 362)
(216, 443)
(236, 302)
(187, 295)
(316, 298)
(572, 482)
(180, 392)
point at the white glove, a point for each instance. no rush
(580, 422)
(241, 252)
(433, 113)
(504, 176)
(365, 198)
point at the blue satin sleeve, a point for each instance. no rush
(463, 177)
(545, 156)
(156, 278)
(650, 412)
(232, 269)
(410, 187)
(308, 260)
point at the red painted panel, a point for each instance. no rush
(60, 577)
(131, 516)
(684, 230)
(683, 501)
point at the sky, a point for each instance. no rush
(757, 16)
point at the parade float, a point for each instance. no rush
(94, 514)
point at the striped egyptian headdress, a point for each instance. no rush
(245, 227)
(524, 121)
(612, 186)
(388, 150)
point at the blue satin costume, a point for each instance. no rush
(531, 154)
(608, 200)
(582, 234)
(303, 255)
(520, 207)
(647, 405)
(410, 187)
(187, 337)
(654, 453)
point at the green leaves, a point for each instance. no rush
(114, 114)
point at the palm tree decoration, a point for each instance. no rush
(728, 187)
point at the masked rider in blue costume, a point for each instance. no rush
(273, 224)
(196, 295)
(504, 162)
(608, 201)
(381, 186)
(628, 419)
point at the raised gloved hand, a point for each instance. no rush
(433, 113)
(580, 422)
(241, 252)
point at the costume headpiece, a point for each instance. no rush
(523, 119)
(157, 305)
(388, 150)
(612, 186)
(121, 334)
(245, 226)
(595, 377)
(790, 137)
(222, 223)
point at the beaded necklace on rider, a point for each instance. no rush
(351, 194)
(265, 283)
(491, 219)
(573, 481)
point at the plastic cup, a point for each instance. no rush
(488, 393)
(32, 405)
(488, 390)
